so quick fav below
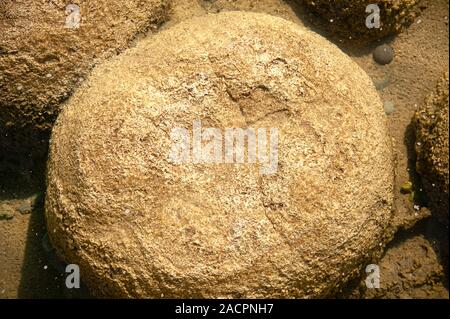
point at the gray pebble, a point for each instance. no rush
(389, 107)
(30, 203)
(25, 208)
(383, 54)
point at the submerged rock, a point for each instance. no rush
(141, 225)
(48, 47)
(431, 123)
(347, 18)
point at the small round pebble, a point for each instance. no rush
(383, 54)
(389, 107)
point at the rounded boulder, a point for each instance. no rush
(348, 18)
(47, 48)
(299, 221)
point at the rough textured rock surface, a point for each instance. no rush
(280, 8)
(347, 18)
(409, 269)
(141, 226)
(432, 123)
(42, 61)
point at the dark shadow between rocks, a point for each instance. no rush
(308, 18)
(409, 140)
(435, 231)
(43, 273)
(38, 278)
(22, 175)
(316, 23)
(23, 156)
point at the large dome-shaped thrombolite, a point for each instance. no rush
(141, 225)
(48, 47)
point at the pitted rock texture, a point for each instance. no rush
(44, 55)
(432, 123)
(140, 225)
(347, 18)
